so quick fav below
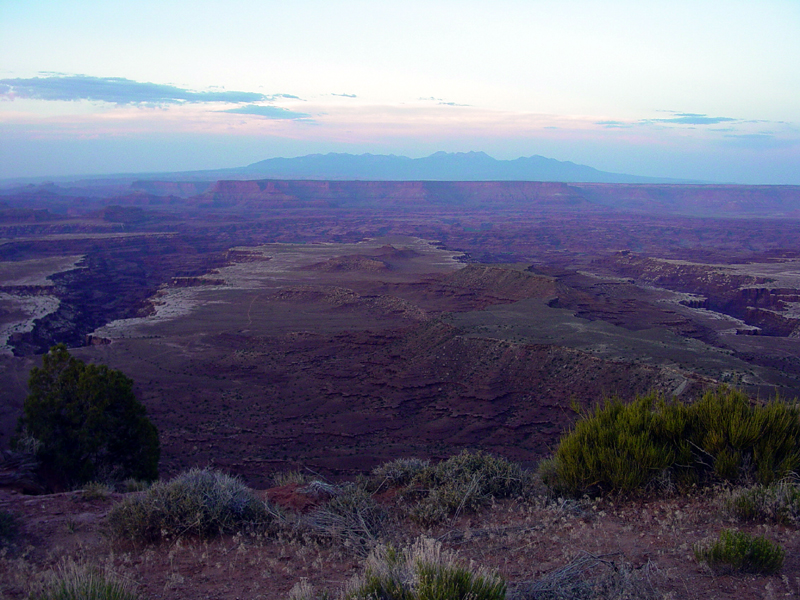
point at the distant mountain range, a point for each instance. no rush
(441, 166)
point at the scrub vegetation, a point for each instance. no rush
(200, 503)
(72, 581)
(740, 551)
(723, 437)
(474, 526)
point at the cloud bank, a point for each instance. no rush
(118, 90)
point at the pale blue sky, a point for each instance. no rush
(702, 89)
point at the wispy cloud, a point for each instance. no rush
(270, 112)
(693, 119)
(678, 118)
(118, 90)
(760, 141)
(345, 95)
(615, 124)
(442, 102)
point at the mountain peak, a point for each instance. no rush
(439, 166)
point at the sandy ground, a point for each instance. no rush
(650, 542)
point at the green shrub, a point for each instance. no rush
(463, 483)
(9, 528)
(200, 502)
(88, 422)
(611, 448)
(778, 502)
(422, 572)
(624, 447)
(74, 582)
(740, 551)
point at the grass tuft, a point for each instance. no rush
(776, 503)
(201, 503)
(740, 551)
(76, 582)
(133, 485)
(422, 572)
(95, 490)
(281, 478)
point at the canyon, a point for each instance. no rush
(338, 324)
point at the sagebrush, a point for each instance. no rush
(200, 502)
(462, 483)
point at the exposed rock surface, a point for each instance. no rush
(351, 356)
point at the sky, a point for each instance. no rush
(705, 90)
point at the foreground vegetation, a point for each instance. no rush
(652, 441)
(82, 582)
(740, 551)
(200, 503)
(405, 521)
(84, 423)
(421, 572)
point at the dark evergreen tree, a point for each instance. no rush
(89, 423)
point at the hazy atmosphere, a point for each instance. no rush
(692, 90)
(372, 300)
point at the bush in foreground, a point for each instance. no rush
(201, 502)
(75, 582)
(400, 471)
(422, 572)
(778, 503)
(740, 551)
(624, 447)
(351, 517)
(462, 483)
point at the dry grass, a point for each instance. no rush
(351, 518)
(776, 503)
(422, 571)
(590, 577)
(544, 547)
(72, 581)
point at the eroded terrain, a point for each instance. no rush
(269, 326)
